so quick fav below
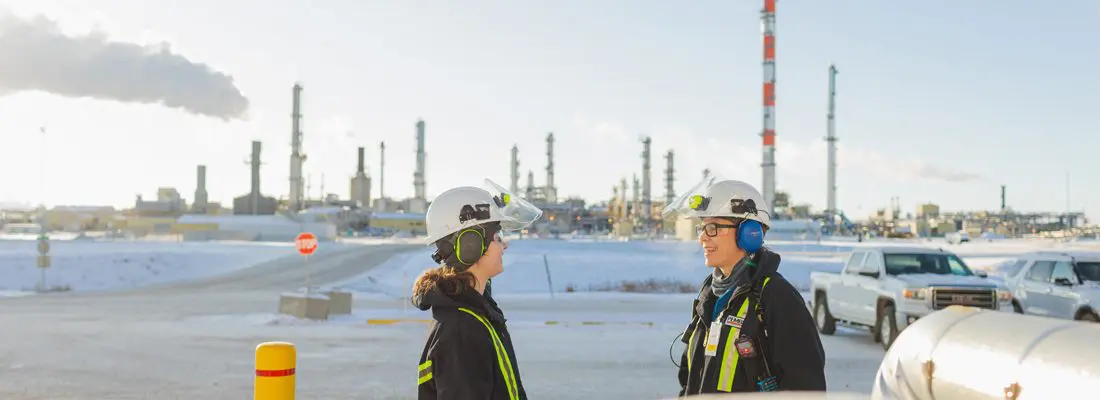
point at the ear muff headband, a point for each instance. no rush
(473, 247)
(750, 236)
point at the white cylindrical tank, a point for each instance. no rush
(967, 353)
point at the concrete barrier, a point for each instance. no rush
(339, 301)
(314, 306)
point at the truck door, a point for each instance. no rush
(844, 295)
(1062, 299)
(1036, 288)
(865, 291)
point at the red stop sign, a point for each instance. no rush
(306, 243)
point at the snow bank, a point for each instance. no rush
(629, 266)
(584, 266)
(105, 265)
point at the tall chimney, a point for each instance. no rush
(530, 185)
(361, 167)
(647, 177)
(767, 30)
(421, 160)
(254, 163)
(551, 190)
(670, 177)
(514, 187)
(1004, 205)
(199, 205)
(382, 170)
(297, 156)
(830, 139)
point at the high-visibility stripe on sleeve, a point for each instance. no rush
(425, 372)
(730, 356)
(503, 359)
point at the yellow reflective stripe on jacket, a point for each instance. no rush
(730, 356)
(691, 346)
(425, 372)
(503, 360)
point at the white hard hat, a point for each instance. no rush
(722, 198)
(467, 206)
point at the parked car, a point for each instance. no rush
(887, 288)
(1062, 285)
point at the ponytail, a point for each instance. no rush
(446, 278)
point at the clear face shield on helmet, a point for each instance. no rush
(515, 212)
(693, 200)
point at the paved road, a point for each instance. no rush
(138, 344)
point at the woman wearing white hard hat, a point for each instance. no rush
(750, 330)
(469, 354)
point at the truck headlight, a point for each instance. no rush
(1004, 295)
(914, 294)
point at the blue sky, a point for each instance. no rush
(940, 101)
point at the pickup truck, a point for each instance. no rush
(1062, 285)
(887, 288)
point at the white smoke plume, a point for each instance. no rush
(36, 55)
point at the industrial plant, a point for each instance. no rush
(630, 211)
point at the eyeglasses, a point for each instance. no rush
(711, 229)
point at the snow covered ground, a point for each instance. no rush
(87, 265)
(594, 342)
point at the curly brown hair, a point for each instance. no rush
(450, 281)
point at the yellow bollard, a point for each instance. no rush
(275, 362)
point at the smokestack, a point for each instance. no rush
(361, 167)
(382, 170)
(421, 160)
(514, 187)
(200, 189)
(297, 156)
(530, 184)
(636, 198)
(254, 163)
(647, 176)
(767, 29)
(551, 190)
(1003, 198)
(670, 178)
(830, 139)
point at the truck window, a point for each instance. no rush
(1063, 269)
(937, 264)
(872, 263)
(854, 262)
(1009, 270)
(1089, 271)
(1040, 272)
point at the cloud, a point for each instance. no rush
(36, 55)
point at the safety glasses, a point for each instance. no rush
(712, 228)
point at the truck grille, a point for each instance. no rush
(980, 298)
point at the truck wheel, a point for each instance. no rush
(824, 319)
(1088, 316)
(1016, 307)
(887, 326)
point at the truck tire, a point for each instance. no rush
(826, 324)
(1088, 316)
(1016, 307)
(887, 326)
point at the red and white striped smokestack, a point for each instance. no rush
(767, 28)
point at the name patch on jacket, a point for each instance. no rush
(735, 321)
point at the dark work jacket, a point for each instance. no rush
(460, 359)
(786, 335)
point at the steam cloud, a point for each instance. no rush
(36, 55)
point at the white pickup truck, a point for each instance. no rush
(887, 288)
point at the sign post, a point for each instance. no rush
(43, 259)
(306, 243)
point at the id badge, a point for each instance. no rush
(711, 345)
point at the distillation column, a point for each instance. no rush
(830, 139)
(670, 178)
(551, 192)
(514, 187)
(647, 176)
(421, 161)
(297, 156)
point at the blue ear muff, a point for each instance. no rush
(750, 236)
